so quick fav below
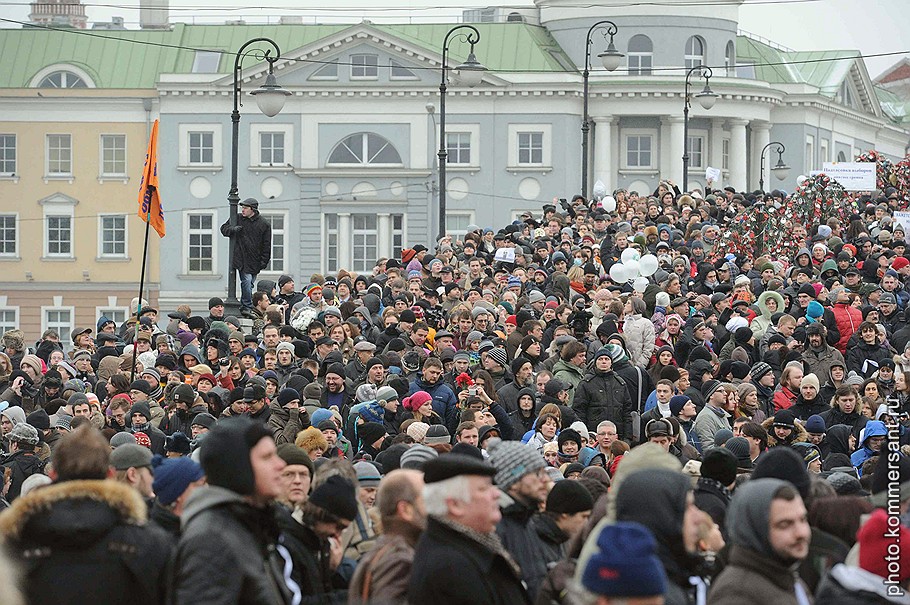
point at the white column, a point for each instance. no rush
(677, 147)
(738, 154)
(603, 148)
(761, 136)
(717, 146)
(345, 243)
(384, 234)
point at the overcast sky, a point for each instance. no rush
(871, 26)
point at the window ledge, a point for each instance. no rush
(113, 259)
(462, 168)
(58, 259)
(9, 177)
(200, 276)
(14, 259)
(59, 177)
(114, 179)
(212, 169)
(258, 169)
(638, 171)
(540, 169)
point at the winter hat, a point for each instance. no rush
(204, 419)
(615, 351)
(568, 435)
(142, 386)
(499, 356)
(386, 393)
(815, 424)
(39, 419)
(569, 497)
(814, 311)
(24, 433)
(554, 386)
(846, 485)
(184, 393)
(141, 407)
(370, 432)
(173, 476)
(418, 431)
(739, 447)
(710, 387)
(143, 440)
(320, 415)
(783, 463)
(517, 363)
(178, 443)
(853, 379)
(625, 563)
(677, 402)
(759, 369)
(742, 335)
(416, 456)
(336, 496)
(287, 395)
(129, 456)
(285, 346)
(310, 439)
(810, 380)
(721, 437)
(784, 418)
(719, 464)
(225, 453)
(513, 460)
(437, 434)
(878, 542)
(367, 474)
(416, 401)
(33, 362)
(122, 438)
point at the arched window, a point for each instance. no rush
(515, 18)
(841, 156)
(364, 149)
(640, 54)
(695, 52)
(62, 79)
(730, 59)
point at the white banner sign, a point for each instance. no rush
(854, 176)
(903, 219)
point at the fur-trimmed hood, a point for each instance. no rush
(72, 512)
(800, 434)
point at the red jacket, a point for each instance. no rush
(783, 399)
(847, 318)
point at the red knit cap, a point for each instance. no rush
(416, 401)
(876, 539)
(899, 263)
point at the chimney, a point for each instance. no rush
(153, 14)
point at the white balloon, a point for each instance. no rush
(600, 190)
(608, 203)
(618, 273)
(648, 264)
(631, 269)
(630, 254)
(801, 179)
(640, 283)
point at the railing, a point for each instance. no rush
(765, 41)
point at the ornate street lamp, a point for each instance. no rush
(610, 59)
(706, 99)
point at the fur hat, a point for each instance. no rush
(310, 439)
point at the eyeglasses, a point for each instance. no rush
(296, 474)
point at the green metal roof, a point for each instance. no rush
(135, 58)
(826, 71)
(895, 107)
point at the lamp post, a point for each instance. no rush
(781, 170)
(470, 73)
(706, 99)
(270, 98)
(610, 58)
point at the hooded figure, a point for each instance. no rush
(757, 572)
(874, 428)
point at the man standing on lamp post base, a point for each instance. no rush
(251, 239)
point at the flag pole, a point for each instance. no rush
(145, 253)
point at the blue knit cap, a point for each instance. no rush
(625, 564)
(319, 415)
(814, 311)
(173, 476)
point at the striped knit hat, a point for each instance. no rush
(513, 460)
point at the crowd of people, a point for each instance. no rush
(492, 419)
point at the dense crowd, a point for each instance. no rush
(498, 419)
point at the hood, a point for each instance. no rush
(108, 366)
(829, 265)
(747, 515)
(763, 307)
(15, 414)
(72, 513)
(373, 303)
(276, 410)
(587, 454)
(838, 437)
(192, 350)
(874, 428)
(363, 310)
(839, 364)
(858, 580)
(799, 435)
(206, 497)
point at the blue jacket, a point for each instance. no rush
(874, 428)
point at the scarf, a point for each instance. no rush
(489, 541)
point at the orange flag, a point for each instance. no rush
(150, 209)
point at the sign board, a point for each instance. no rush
(505, 255)
(903, 219)
(853, 176)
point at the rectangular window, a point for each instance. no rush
(9, 237)
(638, 151)
(457, 224)
(61, 321)
(59, 235)
(276, 221)
(823, 150)
(696, 146)
(200, 243)
(331, 242)
(115, 314)
(113, 155)
(397, 235)
(7, 154)
(810, 152)
(530, 148)
(59, 155)
(113, 235)
(206, 62)
(458, 147)
(364, 66)
(640, 64)
(271, 149)
(201, 147)
(9, 319)
(725, 154)
(365, 240)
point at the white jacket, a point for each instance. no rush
(639, 335)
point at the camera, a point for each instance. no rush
(224, 362)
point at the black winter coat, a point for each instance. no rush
(252, 242)
(444, 555)
(23, 465)
(87, 542)
(603, 396)
(520, 538)
(226, 554)
(713, 498)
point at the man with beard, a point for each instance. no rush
(770, 534)
(507, 395)
(178, 419)
(818, 355)
(383, 574)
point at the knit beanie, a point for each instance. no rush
(569, 497)
(416, 456)
(815, 424)
(719, 464)
(677, 403)
(759, 369)
(336, 496)
(783, 463)
(370, 432)
(39, 419)
(291, 454)
(418, 431)
(739, 447)
(785, 418)
(173, 476)
(141, 407)
(517, 363)
(512, 461)
(416, 401)
(568, 435)
(710, 387)
(809, 380)
(625, 563)
(225, 454)
(499, 356)
(287, 395)
(876, 539)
